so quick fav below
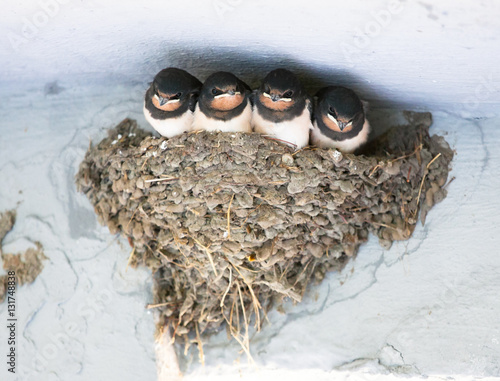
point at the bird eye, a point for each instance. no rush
(214, 91)
(178, 95)
(288, 94)
(332, 111)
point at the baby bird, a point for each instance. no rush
(283, 109)
(339, 120)
(223, 105)
(170, 100)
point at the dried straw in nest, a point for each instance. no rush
(229, 222)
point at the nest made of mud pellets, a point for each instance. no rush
(231, 222)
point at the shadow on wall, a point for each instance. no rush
(254, 62)
(252, 68)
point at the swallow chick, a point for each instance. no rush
(170, 101)
(283, 108)
(339, 120)
(223, 105)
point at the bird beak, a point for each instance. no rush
(163, 101)
(343, 125)
(340, 124)
(276, 97)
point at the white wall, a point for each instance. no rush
(403, 53)
(428, 306)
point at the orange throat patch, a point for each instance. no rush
(227, 103)
(169, 106)
(333, 126)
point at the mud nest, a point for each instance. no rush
(231, 222)
(27, 265)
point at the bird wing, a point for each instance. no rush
(193, 98)
(310, 107)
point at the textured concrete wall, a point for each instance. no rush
(395, 52)
(71, 69)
